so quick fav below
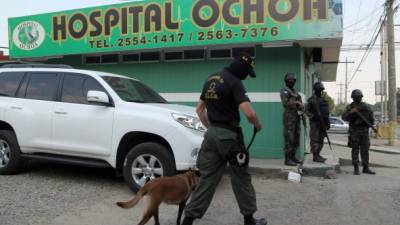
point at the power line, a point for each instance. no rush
(358, 14)
(369, 15)
(371, 44)
(373, 40)
(362, 37)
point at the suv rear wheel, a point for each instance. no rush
(145, 162)
(10, 159)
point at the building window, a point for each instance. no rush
(249, 50)
(220, 53)
(194, 54)
(113, 58)
(92, 59)
(171, 56)
(150, 56)
(131, 57)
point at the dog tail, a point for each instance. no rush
(131, 203)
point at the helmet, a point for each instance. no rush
(356, 93)
(319, 86)
(290, 76)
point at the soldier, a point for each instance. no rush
(218, 109)
(293, 109)
(317, 110)
(358, 114)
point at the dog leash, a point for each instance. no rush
(252, 138)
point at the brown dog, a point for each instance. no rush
(171, 190)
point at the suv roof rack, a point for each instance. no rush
(60, 66)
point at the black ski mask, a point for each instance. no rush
(357, 99)
(290, 80)
(357, 95)
(242, 66)
(318, 89)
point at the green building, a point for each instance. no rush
(174, 45)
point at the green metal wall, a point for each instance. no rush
(188, 76)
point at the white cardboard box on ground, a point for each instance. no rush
(295, 177)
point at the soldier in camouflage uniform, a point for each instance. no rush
(222, 96)
(293, 109)
(358, 131)
(317, 110)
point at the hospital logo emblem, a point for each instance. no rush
(28, 35)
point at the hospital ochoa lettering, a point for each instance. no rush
(153, 17)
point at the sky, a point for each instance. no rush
(360, 20)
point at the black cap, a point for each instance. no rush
(246, 59)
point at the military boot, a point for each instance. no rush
(317, 158)
(187, 221)
(356, 170)
(249, 220)
(294, 158)
(289, 161)
(323, 158)
(368, 171)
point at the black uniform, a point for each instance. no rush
(222, 94)
(318, 110)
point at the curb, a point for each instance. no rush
(372, 148)
(309, 168)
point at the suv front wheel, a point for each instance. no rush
(145, 162)
(10, 159)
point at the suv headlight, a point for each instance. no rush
(189, 121)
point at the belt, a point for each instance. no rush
(233, 126)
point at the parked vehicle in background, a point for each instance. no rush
(94, 119)
(338, 125)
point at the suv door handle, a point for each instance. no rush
(60, 113)
(16, 107)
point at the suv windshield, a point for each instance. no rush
(133, 91)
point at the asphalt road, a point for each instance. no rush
(65, 195)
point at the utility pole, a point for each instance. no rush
(383, 72)
(340, 101)
(346, 84)
(392, 75)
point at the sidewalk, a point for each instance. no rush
(275, 168)
(377, 145)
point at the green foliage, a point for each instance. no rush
(339, 109)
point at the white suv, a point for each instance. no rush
(95, 119)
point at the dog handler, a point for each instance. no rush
(222, 96)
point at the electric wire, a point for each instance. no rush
(373, 40)
(370, 45)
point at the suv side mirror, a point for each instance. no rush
(98, 97)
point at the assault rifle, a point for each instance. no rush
(321, 121)
(367, 122)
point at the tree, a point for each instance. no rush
(339, 109)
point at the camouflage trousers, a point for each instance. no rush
(215, 153)
(316, 137)
(359, 143)
(291, 133)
